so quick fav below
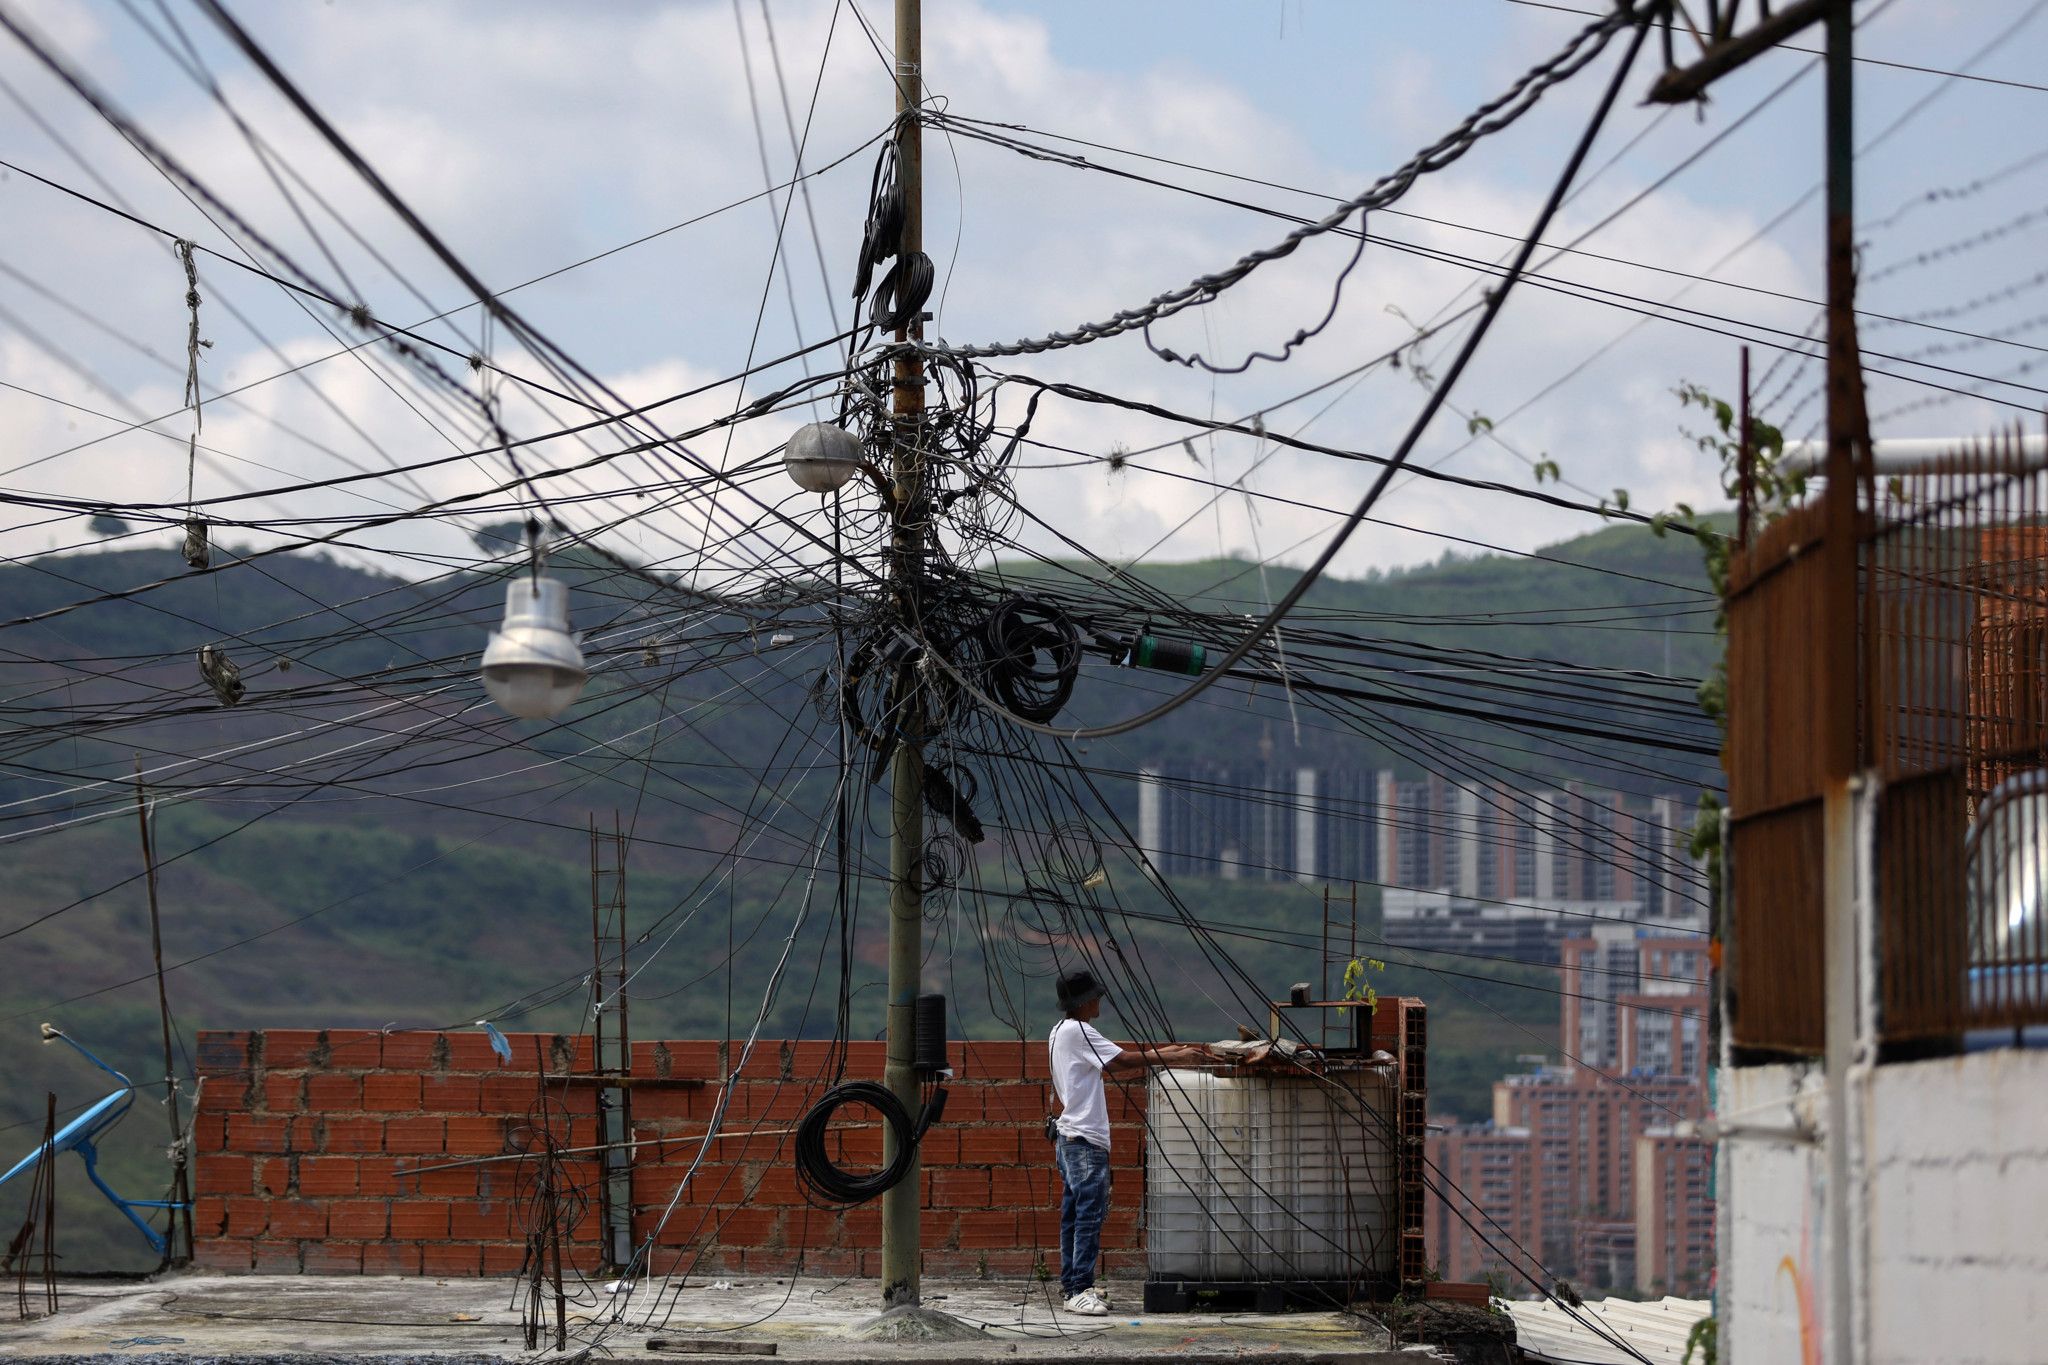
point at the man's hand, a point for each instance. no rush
(1147, 1055)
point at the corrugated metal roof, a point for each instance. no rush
(1658, 1330)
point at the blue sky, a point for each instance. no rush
(532, 135)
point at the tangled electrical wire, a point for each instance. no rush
(1023, 650)
(823, 1180)
(1032, 656)
(1501, 112)
(552, 1206)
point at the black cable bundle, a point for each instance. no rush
(903, 292)
(928, 1013)
(1015, 636)
(949, 791)
(887, 665)
(884, 233)
(825, 1183)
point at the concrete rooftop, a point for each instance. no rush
(183, 1319)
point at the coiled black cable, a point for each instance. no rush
(903, 292)
(884, 231)
(1033, 655)
(822, 1181)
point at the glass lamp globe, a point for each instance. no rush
(821, 457)
(533, 665)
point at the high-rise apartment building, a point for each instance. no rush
(1473, 838)
(1479, 1202)
(1583, 1166)
(1635, 1004)
(1268, 824)
(1584, 1125)
(1674, 1213)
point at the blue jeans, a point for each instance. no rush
(1084, 1170)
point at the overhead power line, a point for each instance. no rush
(1817, 52)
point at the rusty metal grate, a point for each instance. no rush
(1956, 611)
(1952, 713)
(1775, 966)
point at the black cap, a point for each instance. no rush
(1077, 989)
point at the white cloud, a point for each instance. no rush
(531, 135)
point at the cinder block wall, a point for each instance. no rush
(308, 1146)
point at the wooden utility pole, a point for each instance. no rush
(908, 523)
(177, 1251)
(1848, 469)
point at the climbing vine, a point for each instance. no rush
(1358, 987)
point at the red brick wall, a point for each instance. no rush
(308, 1146)
(304, 1141)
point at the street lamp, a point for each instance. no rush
(821, 457)
(533, 665)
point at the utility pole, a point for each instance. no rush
(901, 1258)
(1842, 674)
(1850, 466)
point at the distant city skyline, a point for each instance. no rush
(1479, 840)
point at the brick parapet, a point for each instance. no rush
(311, 1148)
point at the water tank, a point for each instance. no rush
(1277, 1177)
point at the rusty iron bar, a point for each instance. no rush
(1955, 610)
(1934, 676)
(541, 1269)
(1745, 456)
(1726, 50)
(611, 1051)
(49, 1169)
(1848, 422)
(1958, 581)
(177, 1249)
(596, 952)
(35, 1244)
(673, 1139)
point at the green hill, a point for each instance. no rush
(460, 890)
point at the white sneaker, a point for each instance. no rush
(1088, 1304)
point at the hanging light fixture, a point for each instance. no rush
(533, 665)
(821, 457)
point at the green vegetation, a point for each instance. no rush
(341, 911)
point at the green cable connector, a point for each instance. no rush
(1170, 656)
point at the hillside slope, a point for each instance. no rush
(459, 892)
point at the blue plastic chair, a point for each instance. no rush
(82, 1134)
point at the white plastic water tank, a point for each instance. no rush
(1279, 1177)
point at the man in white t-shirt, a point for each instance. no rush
(1080, 1056)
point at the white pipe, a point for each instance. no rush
(1919, 454)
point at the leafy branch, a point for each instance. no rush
(1358, 987)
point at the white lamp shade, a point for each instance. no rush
(533, 665)
(821, 457)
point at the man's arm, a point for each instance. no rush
(1144, 1056)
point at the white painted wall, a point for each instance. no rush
(1954, 1181)
(1958, 1169)
(1771, 1190)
